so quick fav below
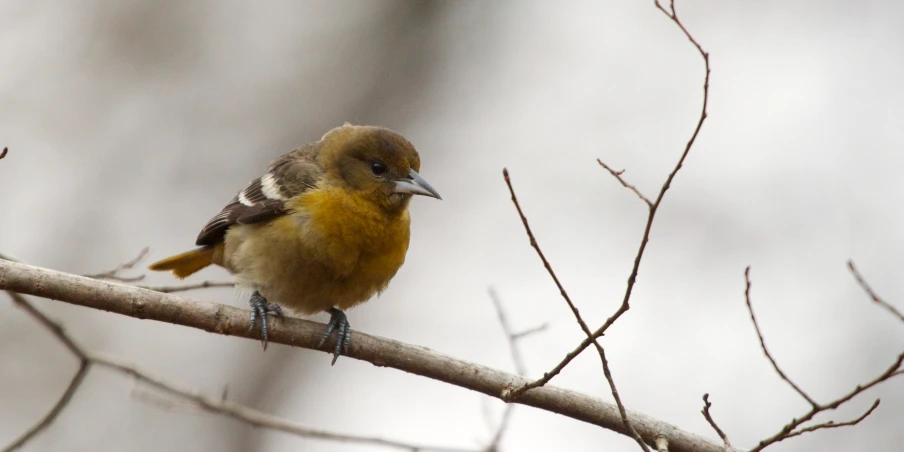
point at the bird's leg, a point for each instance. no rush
(338, 322)
(261, 307)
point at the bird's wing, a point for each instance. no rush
(265, 197)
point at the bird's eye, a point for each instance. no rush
(378, 168)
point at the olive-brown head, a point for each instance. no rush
(375, 163)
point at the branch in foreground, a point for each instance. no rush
(231, 321)
(208, 403)
(791, 429)
(3, 153)
(632, 278)
(577, 315)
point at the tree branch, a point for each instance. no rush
(791, 429)
(869, 291)
(55, 411)
(577, 315)
(187, 287)
(617, 175)
(254, 417)
(712, 422)
(231, 321)
(213, 404)
(517, 359)
(759, 335)
(632, 278)
(114, 273)
(74, 383)
(832, 424)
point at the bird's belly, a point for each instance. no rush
(310, 288)
(306, 275)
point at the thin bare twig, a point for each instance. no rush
(712, 422)
(869, 291)
(621, 407)
(793, 428)
(833, 424)
(653, 207)
(511, 335)
(52, 326)
(166, 402)
(4, 152)
(114, 274)
(517, 360)
(789, 430)
(617, 175)
(530, 331)
(74, 383)
(577, 315)
(217, 405)
(55, 411)
(187, 287)
(632, 278)
(552, 273)
(759, 335)
(253, 417)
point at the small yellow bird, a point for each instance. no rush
(325, 229)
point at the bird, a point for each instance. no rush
(324, 229)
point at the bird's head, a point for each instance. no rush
(375, 163)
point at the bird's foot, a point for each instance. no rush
(260, 307)
(338, 322)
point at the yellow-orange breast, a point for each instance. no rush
(333, 249)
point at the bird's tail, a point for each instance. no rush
(186, 263)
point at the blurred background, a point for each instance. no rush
(131, 123)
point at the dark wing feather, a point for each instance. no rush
(215, 229)
(262, 211)
(265, 197)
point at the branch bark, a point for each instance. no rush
(217, 405)
(227, 320)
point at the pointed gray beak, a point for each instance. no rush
(416, 185)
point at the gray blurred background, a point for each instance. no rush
(131, 123)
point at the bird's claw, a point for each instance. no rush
(339, 322)
(260, 307)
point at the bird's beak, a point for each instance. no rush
(416, 185)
